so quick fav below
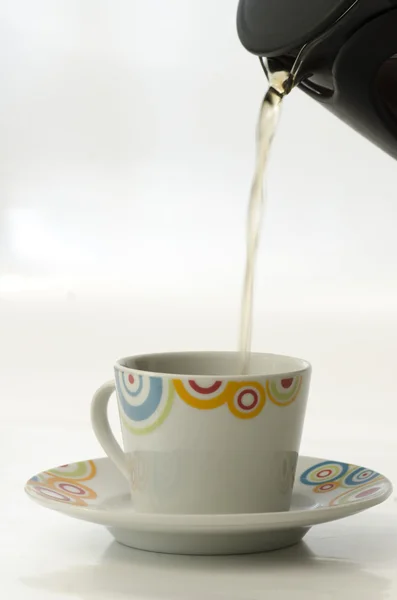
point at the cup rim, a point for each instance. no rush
(305, 368)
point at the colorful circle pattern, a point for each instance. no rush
(283, 391)
(360, 476)
(145, 401)
(325, 472)
(81, 471)
(324, 488)
(372, 489)
(64, 484)
(245, 399)
(329, 477)
(206, 395)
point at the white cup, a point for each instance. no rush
(200, 438)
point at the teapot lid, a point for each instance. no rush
(275, 27)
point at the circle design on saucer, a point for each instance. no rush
(284, 392)
(323, 488)
(204, 394)
(63, 484)
(359, 476)
(81, 471)
(246, 399)
(325, 472)
(49, 493)
(145, 401)
(362, 492)
(60, 489)
(72, 489)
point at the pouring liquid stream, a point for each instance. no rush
(280, 84)
(266, 128)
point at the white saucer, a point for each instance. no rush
(95, 491)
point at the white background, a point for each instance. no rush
(126, 153)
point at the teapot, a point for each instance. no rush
(342, 53)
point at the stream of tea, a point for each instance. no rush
(266, 128)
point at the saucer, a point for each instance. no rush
(95, 491)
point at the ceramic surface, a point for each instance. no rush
(185, 436)
(95, 491)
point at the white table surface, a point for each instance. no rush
(45, 423)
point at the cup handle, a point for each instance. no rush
(102, 430)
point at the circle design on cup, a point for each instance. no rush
(131, 384)
(204, 395)
(357, 493)
(323, 488)
(146, 408)
(324, 472)
(359, 476)
(246, 399)
(81, 471)
(205, 389)
(139, 398)
(284, 391)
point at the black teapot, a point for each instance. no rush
(343, 53)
